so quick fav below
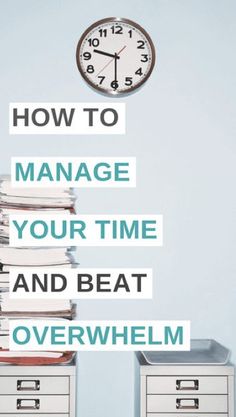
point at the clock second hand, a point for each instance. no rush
(118, 53)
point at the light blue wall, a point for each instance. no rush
(181, 127)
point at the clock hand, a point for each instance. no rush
(105, 53)
(116, 57)
(114, 83)
(118, 53)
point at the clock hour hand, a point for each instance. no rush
(106, 54)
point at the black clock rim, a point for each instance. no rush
(115, 19)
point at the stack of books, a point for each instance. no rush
(35, 201)
(33, 308)
(34, 198)
(4, 334)
(38, 200)
(31, 357)
(32, 257)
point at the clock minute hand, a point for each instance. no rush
(106, 54)
(116, 57)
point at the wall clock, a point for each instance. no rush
(115, 56)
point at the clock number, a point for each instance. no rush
(139, 71)
(93, 42)
(102, 78)
(90, 69)
(114, 85)
(103, 32)
(130, 32)
(117, 30)
(140, 44)
(145, 58)
(87, 56)
(128, 81)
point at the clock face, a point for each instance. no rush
(115, 56)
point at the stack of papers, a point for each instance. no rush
(34, 198)
(4, 281)
(35, 358)
(35, 201)
(4, 334)
(10, 307)
(6, 212)
(29, 357)
(35, 257)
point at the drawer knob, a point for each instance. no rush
(187, 385)
(28, 385)
(28, 404)
(187, 404)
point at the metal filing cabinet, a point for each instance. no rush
(184, 390)
(46, 391)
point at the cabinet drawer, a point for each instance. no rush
(179, 415)
(186, 385)
(34, 404)
(37, 384)
(40, 415)
(187, 403)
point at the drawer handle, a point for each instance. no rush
(187, 385)
(28, 385)
(187, 404)
(28, 404)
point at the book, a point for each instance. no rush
(35, 358)
(15, 308)
(35, 257)
(34, 197)
(56, 192)
(6, 211)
